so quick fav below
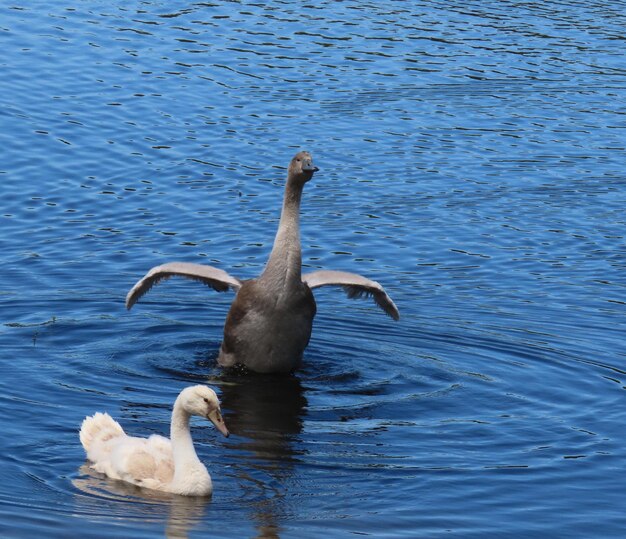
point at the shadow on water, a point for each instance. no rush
(266, 412)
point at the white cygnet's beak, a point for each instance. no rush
(216, 418)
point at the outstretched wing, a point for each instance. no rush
(355, 286)
(216, 278)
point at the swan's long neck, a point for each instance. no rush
(185, 456)
(285, 262)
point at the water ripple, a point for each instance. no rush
(471, 160)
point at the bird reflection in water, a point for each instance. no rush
(183, 512)
(266, 413)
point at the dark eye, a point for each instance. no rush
(206, 400)
(298, 160)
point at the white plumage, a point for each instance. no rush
(156, 462)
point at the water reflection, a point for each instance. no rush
(493, 129)
(267, 412)
(264, 413)
(183, 512)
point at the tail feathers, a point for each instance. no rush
(101, 427)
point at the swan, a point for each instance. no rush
(158, 463)
(270, 320)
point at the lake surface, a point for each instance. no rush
(471, 160)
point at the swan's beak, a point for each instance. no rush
(308, 166)
(216, 418)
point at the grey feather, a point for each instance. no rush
(215, 278)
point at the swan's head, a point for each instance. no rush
(202, 401)
(302, 167)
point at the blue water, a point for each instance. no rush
(471, 160)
